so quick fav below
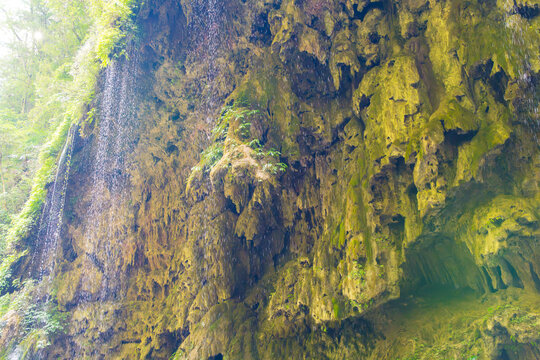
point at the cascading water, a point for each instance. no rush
(53, 213)
(109, 179)
(529, 102)
(213, 37)
(46, 249)
(208, 22)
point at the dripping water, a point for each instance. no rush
(213, 38)
(207, 22)
(53, 212)
(48, 236)
(213, 30)
(515, 24)
(109, 189)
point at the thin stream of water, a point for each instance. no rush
(48, 237)
(53, 213)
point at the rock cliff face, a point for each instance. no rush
(310, 179)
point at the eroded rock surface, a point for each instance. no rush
(298, 166)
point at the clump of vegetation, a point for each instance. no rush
(272, 165)
(233, 140)
(113, 21)
(359, 273)
(65, 91)
(209, 157)
(275, 168)
(49, 79)
(35, 322)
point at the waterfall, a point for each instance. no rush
(48, 236)
(115, 141)
(516, 26)
(207, 20)
(53, 211)
(212, 15)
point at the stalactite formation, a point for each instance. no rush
(304, 179)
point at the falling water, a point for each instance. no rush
(206, 23)
(53, 211)
(529, 109)
(109, 180)
(213, 38)
(213, 21)
(48, 236)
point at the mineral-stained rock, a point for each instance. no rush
(296, 191)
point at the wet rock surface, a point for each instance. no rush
(304, 177)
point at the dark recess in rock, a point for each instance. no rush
(260, 30)
(525, 10)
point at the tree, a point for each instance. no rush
(34, 79)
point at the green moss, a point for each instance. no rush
(337, 308)
(351, 256)
(397, 110)
(359, 273)
(357, 217)
(454, 116)
(341, 241)
(494, 132)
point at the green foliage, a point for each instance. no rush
(229, 114)
(46, 88)
(255, 144)
(33, 91)
(65, 81)
(38, 320)
(244, 129)
(231, 132)
(359, 273)
(47, 159)
(5, 269)
(46, 318)
(523, 319)
(233, 114)
(273, 166)
(273, 152)
(211, 156)
(221, 129)
(113, 22)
